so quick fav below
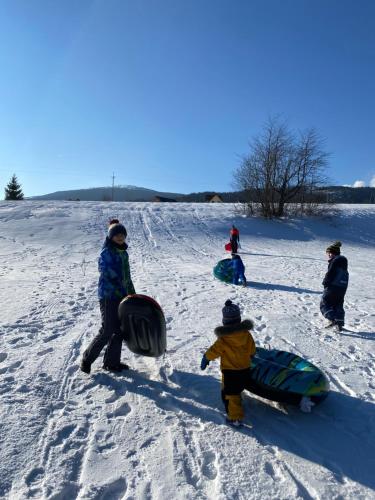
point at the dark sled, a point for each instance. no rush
(143, 325)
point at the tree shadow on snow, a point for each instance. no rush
(284, 288)
(338, 434)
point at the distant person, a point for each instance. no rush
(234, 238)
(114, 284)
(335, 285)
(238, 270)
(235, 347)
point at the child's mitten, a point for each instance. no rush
(204, 363)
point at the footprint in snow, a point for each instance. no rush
(209, 468)
(51, 337)
(148, 443)
(44, 351)
(3, 356)
(120, 411)
(34, 476)
(11, 368)
(23, 389)
(111, 491)
(15, 340)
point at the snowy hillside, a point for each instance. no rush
(158, 431)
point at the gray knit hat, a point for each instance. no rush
(116, 229)
(231, 313)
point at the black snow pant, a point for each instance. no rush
(234, 244)
(233, 383)
(109, 335)
(332, 304)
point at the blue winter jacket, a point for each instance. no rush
(238, 266)
(114, 279)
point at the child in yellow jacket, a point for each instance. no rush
(235, 346)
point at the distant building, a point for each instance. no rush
(162, 199)
(214, 198)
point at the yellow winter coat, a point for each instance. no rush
(234, 346)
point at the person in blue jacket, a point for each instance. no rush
(335, 285)
(114, 284)
(238, 270)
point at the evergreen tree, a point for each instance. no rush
(13, 190)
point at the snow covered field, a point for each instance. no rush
(158, 431)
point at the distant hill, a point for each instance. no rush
(121, 193)
(331, 194)
(345, 194)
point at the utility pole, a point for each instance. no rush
(113, 186)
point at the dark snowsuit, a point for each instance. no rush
(114, 284)
(234, 239)
(238, 270)
(335, 285)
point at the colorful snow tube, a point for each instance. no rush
(224, 270)
(143, 325)
(287, 378)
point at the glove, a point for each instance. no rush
(204, 363)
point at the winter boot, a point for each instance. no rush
(85, 366)
(118, 368)
(330, 324)
(233, 423)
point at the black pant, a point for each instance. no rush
(109, 335)
(332, 304)
(233, 383)
(234, 244)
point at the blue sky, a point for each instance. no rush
(167, 94)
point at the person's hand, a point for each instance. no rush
(204, 363)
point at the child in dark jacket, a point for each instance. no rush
(238, 270)
(114, 284)
(235, 346)
(335, 285)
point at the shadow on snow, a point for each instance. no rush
(337, 435)
(284, 288)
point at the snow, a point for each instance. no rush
(158, 431)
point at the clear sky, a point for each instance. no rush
(167, 93)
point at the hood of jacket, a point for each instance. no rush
(246, 324)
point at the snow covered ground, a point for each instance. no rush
(158, 432)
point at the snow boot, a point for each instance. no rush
(85, 366)
(330, 324)
(234, 423)
(118, 368)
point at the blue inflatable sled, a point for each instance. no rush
(143, 325)
(223, 270)
(287, 378)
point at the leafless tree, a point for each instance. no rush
(282, 169)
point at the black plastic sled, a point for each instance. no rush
(143, 325)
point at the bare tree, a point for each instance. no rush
(281, 169)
